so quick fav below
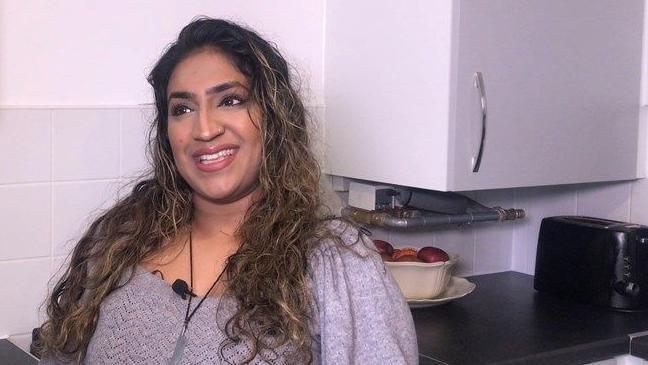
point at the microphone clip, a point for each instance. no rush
(181, 288)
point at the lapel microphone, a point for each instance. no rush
(181, 288)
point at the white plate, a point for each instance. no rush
(457, 288)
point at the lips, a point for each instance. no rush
(214, 158)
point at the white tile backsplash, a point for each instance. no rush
(460, 241)
(494, 241)
(493, 247)
(317, 131)
(25, 145)
(89, 153)
(416, 238)
(378, 233)
(639, 202)
(25, 215)
(609, 201)
(538, 203)
(58, 266)
(56, 167)
(85, 144)
(135, 124)
(22, 295)
(22, 341)
(74, 207)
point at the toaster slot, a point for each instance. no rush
(597, 222)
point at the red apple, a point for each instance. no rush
(400, 252)
(432, 254)
(407, 258)
(384, 247)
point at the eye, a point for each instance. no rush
(180, 109)
(232, 100)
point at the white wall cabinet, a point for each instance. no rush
(561, 81)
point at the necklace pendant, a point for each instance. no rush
(180, 345)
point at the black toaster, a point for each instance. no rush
(593, 260)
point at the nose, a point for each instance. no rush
(207, 126)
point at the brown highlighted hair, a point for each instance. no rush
(268, 274)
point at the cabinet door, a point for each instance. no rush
(387, 80)
(562, 87)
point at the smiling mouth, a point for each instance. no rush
(215, 157)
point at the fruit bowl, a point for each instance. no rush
(420, 280)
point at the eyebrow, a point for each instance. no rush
(212, 90)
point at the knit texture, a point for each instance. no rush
(361, 316)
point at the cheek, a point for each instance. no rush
(176, 145)
(176, 137)
(257, 143)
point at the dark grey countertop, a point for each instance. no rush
(11, 354)
(505, 321)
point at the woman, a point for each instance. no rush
(232, 221)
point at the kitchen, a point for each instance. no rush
(50, 90)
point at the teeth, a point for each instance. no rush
(216, 156)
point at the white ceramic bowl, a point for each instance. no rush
(420, 280)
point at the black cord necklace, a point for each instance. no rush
(181, 342)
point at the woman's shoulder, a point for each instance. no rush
(346, 249)
(344, 239)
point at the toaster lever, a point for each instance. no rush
(629, 289)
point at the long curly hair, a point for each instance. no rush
(268, 274)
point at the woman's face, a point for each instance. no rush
(213, 127)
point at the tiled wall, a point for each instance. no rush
(58, 168)
(494, 247)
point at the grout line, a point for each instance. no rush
(121, 147)
(18, 334)
(25, 259)
(310, 104)
(514, 205)
(474, 260)
(514, 234)
(25, 184)
(75, 107)
(51, 219)
(631, 198)
(67, 182)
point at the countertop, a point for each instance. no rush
(505, 321)
(11, 354)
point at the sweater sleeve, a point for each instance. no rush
(361, 315)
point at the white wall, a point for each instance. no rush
(78, 52)
(58, 168)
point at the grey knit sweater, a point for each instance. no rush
(362, 318)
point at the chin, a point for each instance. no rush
(225, 195)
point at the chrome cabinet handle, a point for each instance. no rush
(478, 82)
